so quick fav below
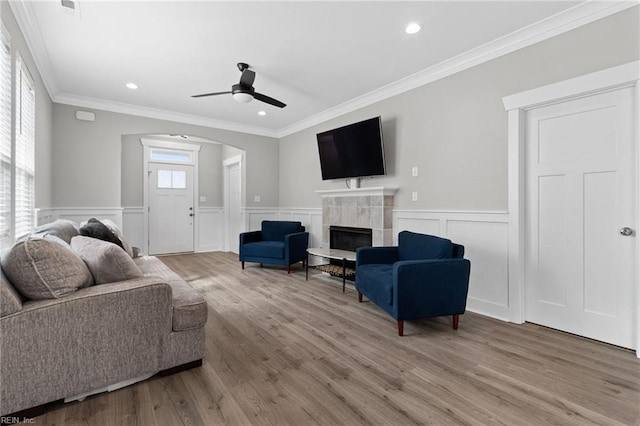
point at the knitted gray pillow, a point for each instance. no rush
(42, 266)
(108, 262)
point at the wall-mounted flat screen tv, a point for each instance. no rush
(351, 151)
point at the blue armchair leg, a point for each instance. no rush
(400, 327)
(359, 297)
(243, 264)
(288, 269)
(456, 319)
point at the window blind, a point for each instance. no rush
(25, 152)
(5, 140)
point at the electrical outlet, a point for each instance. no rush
(257, 199)
(414, 171)
(414, 196)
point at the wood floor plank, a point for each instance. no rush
(282, 350)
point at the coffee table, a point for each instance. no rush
(335, 254)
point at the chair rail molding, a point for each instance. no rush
(80, 214)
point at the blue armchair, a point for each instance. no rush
(424, 276)
(278, 243)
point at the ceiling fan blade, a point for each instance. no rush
(247, 78)
(269, 100)
(210, 94)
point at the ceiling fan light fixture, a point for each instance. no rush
(242, 97)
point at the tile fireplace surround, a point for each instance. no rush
(361, 208)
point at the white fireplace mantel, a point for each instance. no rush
(379, 190)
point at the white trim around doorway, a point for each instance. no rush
(516, 105)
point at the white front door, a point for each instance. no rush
(171, 208)
(234, 216)
(580, 186)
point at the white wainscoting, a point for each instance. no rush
(310, 218)
(211, 229)
(485, 236)
(80, 214)
(45, 216)
(133, 225)
(254, 216)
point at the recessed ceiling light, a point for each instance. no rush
(262, 113)
(412, 28)
(132, 86)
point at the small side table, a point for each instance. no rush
(335, 254)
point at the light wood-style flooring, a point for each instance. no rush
(284, 351)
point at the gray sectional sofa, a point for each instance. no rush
(79, 315)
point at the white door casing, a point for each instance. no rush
(187, 155)
(171, 208)
(233, 202)
(517, 105)
(579, 187)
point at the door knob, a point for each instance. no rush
(626, 231)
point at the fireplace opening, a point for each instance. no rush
(349, 238)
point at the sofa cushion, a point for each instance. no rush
(376, 282)
(276, 230)
(61, 228)
(10, 301)
(95, 229)
(189, 307)
(413, 246)
(269, 249)
(107, 262)
(119, 235)
(44, 267)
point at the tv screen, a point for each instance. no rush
(351, 151)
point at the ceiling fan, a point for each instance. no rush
(244, 91)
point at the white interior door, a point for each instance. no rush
(234, 215)
(580, 192)
(171, 208)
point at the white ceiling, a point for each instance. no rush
(320, 58)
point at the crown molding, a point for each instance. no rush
(560, 23)
(122, 108)
(28, 24)
(565, 21)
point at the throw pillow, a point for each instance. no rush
(108, 262)
(62, 228)
(119, 235)
(42, 266)
(96, 229)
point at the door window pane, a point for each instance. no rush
(172, 179)
(164, 179)
(179, 180)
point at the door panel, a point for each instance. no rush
(580, 190)
(171, 208)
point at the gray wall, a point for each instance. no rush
(455, 129)
(44, 107)
(209, 177)
(87, 159)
